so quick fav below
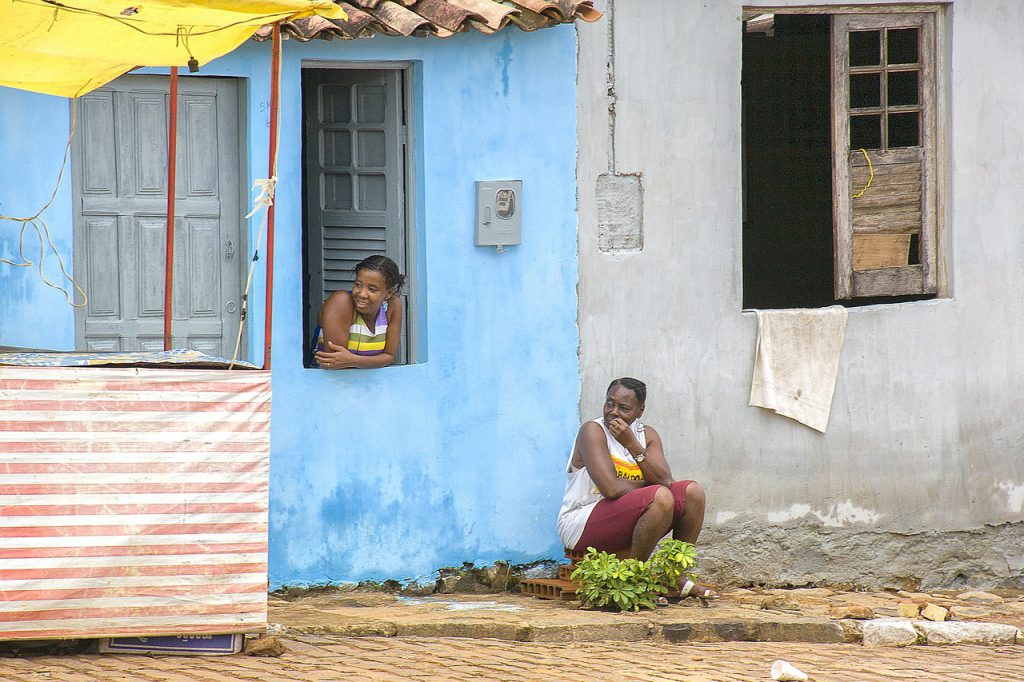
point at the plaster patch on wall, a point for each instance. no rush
(725, 516)
(620, 212)
(846, 513)
(794, 512)
(838, 515)
(1014, 495)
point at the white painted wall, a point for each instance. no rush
(925, 432)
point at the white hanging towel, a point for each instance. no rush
(796, 362)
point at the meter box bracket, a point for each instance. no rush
(499, 212)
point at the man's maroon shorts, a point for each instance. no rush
(610, 526)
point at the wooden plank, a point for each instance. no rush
(874, 251)
(884, 170)
(935, 121)
(887, 197)
(929, 220)
(890, 220)
(879, 159)
(900, 182)
(903, 281)
(880, 8)
(842, 220)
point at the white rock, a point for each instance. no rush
(888, 632)
(956, 632)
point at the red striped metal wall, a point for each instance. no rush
(132, 501)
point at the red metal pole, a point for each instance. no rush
(172, 158)
(275, 96)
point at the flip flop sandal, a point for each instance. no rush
(696, 591)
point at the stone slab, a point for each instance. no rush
(816, 630)
(614, 632)
(954, 632)
(888, 632)
(479, 630)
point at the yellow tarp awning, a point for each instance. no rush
(70, 48)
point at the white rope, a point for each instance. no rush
(263, 201)
(267, 187)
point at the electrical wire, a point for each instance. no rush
(127, 23)
(43, 230)
(871, 174)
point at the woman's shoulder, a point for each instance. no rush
(393, 307)
(649, 432)
(338, 303)
(340, 300)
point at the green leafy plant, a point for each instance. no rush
(631, 584)
(626, 584)
(671, 560)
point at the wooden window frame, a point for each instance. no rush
(903, 280)
(929, 277)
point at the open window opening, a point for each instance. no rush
(839, 182)
(355, 175)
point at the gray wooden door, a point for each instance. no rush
(354, 150)
(120, 198)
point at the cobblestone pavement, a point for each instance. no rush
(382, 659)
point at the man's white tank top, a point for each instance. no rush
(581, 494)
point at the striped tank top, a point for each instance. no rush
(360, 340)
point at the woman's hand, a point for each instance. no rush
(622, 433)
(336, 357)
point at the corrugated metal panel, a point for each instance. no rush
(132, 501)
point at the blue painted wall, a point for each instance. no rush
(33, 136)
(393, 473)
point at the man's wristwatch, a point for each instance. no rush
(640, 456)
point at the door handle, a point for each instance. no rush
(229, 250)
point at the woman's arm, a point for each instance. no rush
(336, 354)
(655, 467)
(593, 446)
(336, 317)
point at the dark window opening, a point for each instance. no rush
(787, 174)
(788, 221)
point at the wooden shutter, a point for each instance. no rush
(354, 176)
(884, 130)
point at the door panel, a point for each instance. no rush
(120, 158)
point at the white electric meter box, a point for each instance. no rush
(499, 212)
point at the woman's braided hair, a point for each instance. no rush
(386, 267)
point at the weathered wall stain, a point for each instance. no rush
(751, 552)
